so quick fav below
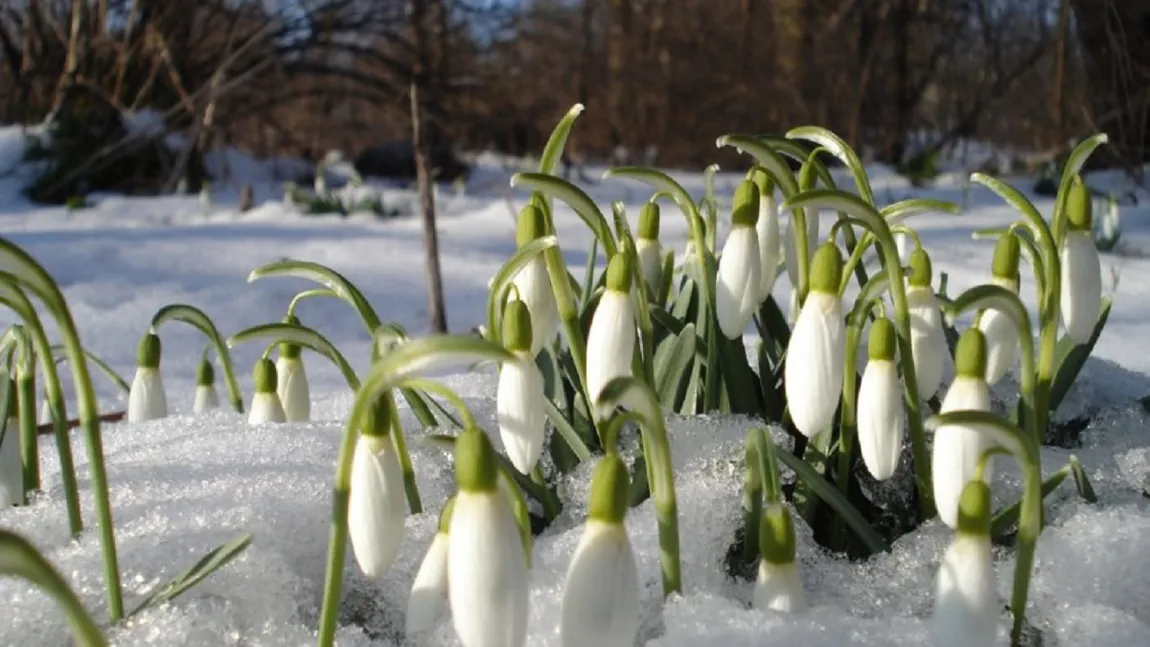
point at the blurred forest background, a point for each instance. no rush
(660, 78)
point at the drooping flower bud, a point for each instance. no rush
(429, 590)
(519, 396)
(147, 399)
(813, 372)
(291, 381)
(767, 229)
(778, 586)
(880, 411)
(266, 406)
(486, 564)
(927, 334)
(966, 606)
(739, 277)
(206, 396)
(376, 503)
(611, 339)
(648, 248)
(1001, 333)
(1081, 295)
(533, 283)
(601, 590)
(958, 449)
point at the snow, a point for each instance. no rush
(183, 485)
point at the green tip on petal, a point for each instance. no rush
(1079, 206)
(148, 352)
(476, 469)
(777, 535)
(264, 376)
(1007, 253)
(974, 509)
(531, 224)
(970, 354)
(827, 269)
(445, 515)
(517, 326)
(610, 490)
(288, 349)
(882, 340)
(206, 374)
(762, 181)
(379, 417)
(620, 272)
(649, 222)
(745, 212)
(920, 268)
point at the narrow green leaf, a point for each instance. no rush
(772, 163)
(1081, 481)
(198, 572)
(20, 559)
(567, 432)
(1006, 518)
(588, 286)
(840, 149)
(575, 198)
(324, 276)
(59, 352)
(899, 211)
(1014, 198)
(553, 150)
(741, 383)
(1070, 358)
(313, 293)
(301, 336)
(672, 367)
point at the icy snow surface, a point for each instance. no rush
(185, 484)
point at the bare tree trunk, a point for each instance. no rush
(1060, 69)
(436, 311)
(77, 49)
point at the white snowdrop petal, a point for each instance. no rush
(146, 397)
(738, 281)
(880, 418)
(428, 597)
(486, 572)
(1081, 297)
(770, 245)
(1001, 343)
(519, 409)
(966, 606)
(650, 254)
(11, 468)
(927, 339)
(957, 448)
(778, 588)
(205, 398)
(813, 371)
(533, 285)
(266, 407)
(601, 590)
(376, 507)
(610, 341)
(292, 389)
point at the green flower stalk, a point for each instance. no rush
(11, 469)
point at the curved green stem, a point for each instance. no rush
(309, 294)
(29, 443)
(199, 320)
(60, 353)
(325, 276)
(275, 333)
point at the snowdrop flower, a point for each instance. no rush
(429, 590)
(1081, 297)
(146, 397)
(486, 563)
(611, 339)
(791, 258)
(813, 372)
(1000, 330)
(291, 381)
(519, 397)
(778, 586)
(533, 283)
(966, 604)
(927, 335)
(767, 229)
(45, 411)
(376, 505)
(958, 448)
(650, 252)
(206, 396)
(266, 405)
(601, 591)
(739, 278)
(11, 467)
(880, 413)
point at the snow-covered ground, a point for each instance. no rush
(185, 484)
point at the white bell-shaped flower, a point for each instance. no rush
(519, 396)
(611, 339)
(767, 229)
(813, 372)
(739, 278)
(927, 334)
(966, 606)
(266, 406)
(778, 586)
(1081, 296)
(1002, 343)
(880, 412)
(648, 248)
(45, 417)
(958, 449)
(146, 397)
(11, 467)
(533, 283)
(428, 598)
(376, 504)
(292, 388)
(206, 396)
(486, 563)
(601, 590)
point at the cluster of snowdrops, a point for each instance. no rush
(587, 371)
